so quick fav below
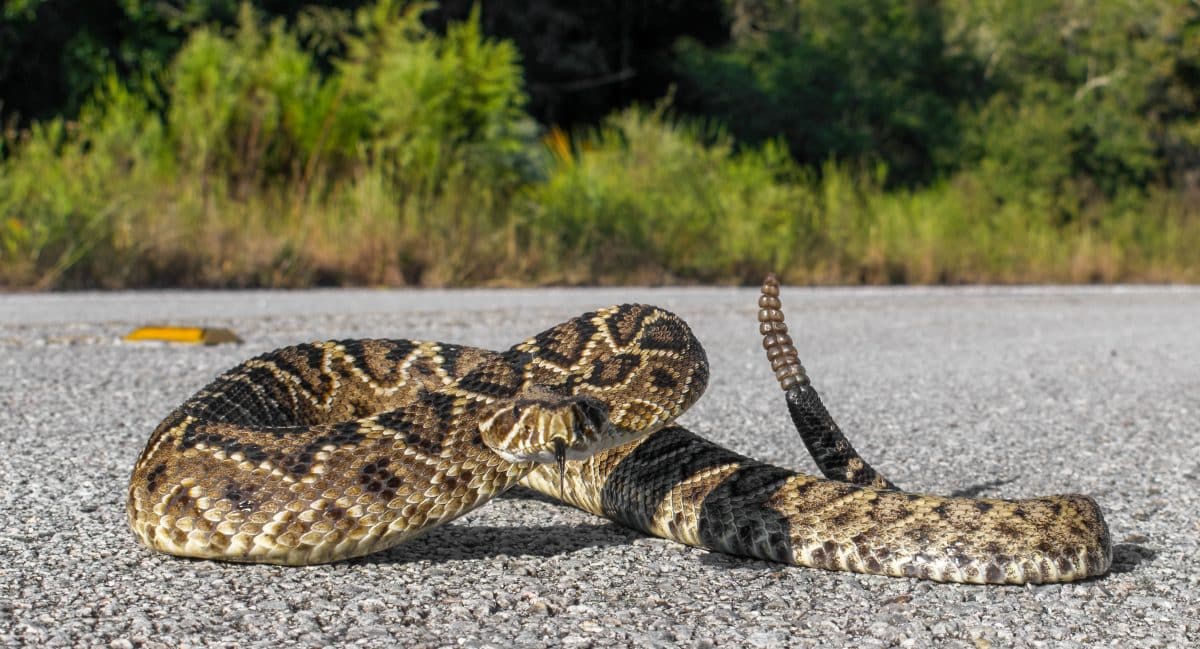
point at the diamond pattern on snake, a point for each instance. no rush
(331, 450)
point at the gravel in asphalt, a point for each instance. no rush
(1006, 392)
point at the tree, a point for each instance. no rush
(854, 80)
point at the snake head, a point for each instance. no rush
(549, 428)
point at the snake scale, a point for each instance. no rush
(331, 450)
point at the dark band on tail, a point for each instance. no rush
(834, 455)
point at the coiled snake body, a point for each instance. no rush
(332, 450)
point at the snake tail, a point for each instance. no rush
(833, 453)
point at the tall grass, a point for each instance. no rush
(645, 198)
(414, 163)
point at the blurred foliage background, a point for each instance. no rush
(288, 143)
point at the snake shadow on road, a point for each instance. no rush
(459, 542)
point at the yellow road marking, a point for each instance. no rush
(186, 335)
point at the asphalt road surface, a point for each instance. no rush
(990, 392)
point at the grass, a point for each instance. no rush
(642, 200)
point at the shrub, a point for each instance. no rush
(645, 194)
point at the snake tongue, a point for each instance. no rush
(560, 456)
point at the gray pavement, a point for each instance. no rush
(997, 392)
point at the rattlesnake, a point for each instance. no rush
(332, 450)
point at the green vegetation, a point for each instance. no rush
(872, 141)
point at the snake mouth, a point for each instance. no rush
(550, 430)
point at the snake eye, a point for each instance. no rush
(591, 417)
(517, 411)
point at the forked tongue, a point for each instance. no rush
(560, 455)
